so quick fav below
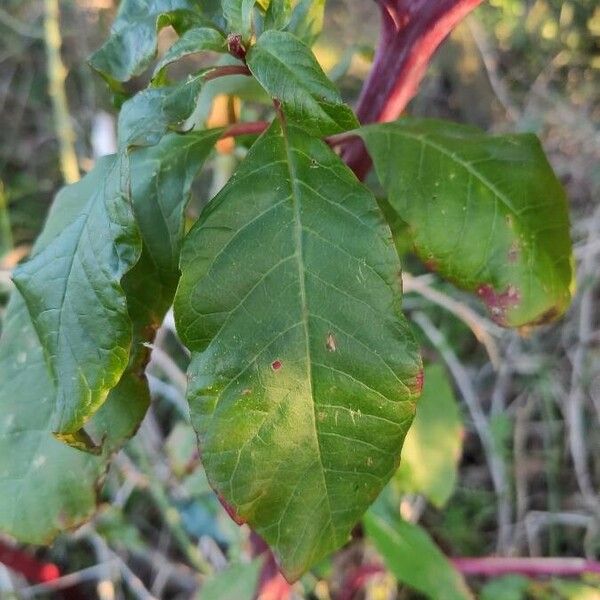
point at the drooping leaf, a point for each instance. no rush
(146, 117)
(432, 447)
(290, 73)
(199, 39)
(72, 288)
(161, 179)
(304, 373)
(134, 35)
(412, 556)
(238, 14)
(487, 212)
(46, 485)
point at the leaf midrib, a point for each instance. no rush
(299, 254)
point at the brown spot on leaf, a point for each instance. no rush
(246, 392)
(276, 365)
(498, 303)
(330, 342)
(513, 252)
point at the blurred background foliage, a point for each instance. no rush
(514, 65)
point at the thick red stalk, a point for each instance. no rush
(411, 32)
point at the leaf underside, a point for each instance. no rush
(304, 372)
(486, 212)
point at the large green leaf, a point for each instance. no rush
(432, 447)
(412, 556)
(161, 179)
(487, 212)
(134, 36)
(304, 373)
(146, 117)
(198, 39)
(290, 73)
(72, 288)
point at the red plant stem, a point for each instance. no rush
(226, 70)
(411, 32)
(532, 567)
(24, 563)
(489, 566)
(251, 128)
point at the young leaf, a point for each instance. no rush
(161, 179)
(133, 41)
(412, 556)
(146, 117)
(487, 212)
(238, 14)
(290, 73)
(304, 373)
(432, 447)
(72, 288)
(199, 39)
(306, 21)
(278, 14)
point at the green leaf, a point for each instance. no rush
(238, 14)
(487, 212)
(46, 485)
(278, 14)
(72, 288)
(304, 371)
(132, 44)
(433, 445)
(239, 581)
(509, 587)
(290, 73)
(161, 180)
(146, 117)
(412, 556)
(199, 39)
(306, 22)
